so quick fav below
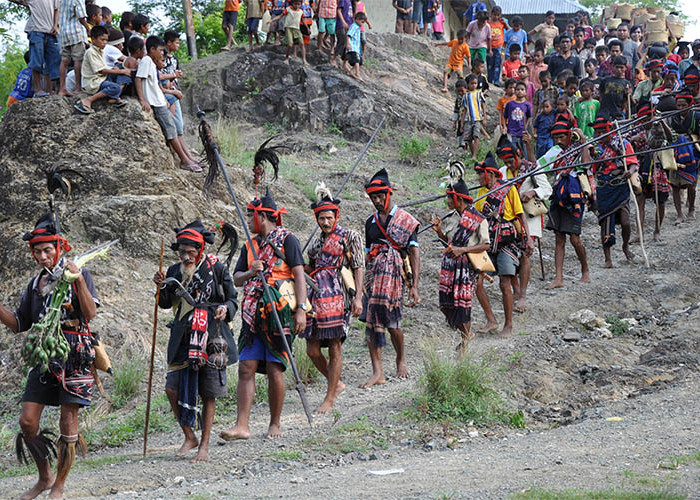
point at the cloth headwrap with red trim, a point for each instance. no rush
(561, 127)
(644, 109)
(379, 183)
(506, 149)
(601, 123)
(45, 232)
(685, 93)
(489, 165)
(265, 204)
(195, 235)
(459, 190)
(692, 75)
(654, 64)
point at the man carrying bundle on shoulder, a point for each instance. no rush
(336, 262)
(194, 367)
(504, 211)
(458, 277)
(260, 344)
(393, 258)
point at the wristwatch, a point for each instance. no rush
(304, 307)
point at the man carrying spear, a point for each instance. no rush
(192, 368)
(336, 250)
(68, 384)
(567, 202)
(504, 211)
(393, 258)
(261, 347)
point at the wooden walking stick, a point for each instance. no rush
(539, 248)
(153, 352)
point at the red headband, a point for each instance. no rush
(40, 236)
(455, 194)
(327, 206)
(560, 128)
(493, 170)
(645, 111)
(191, 235)
(275, 213)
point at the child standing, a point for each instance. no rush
(327, 12)
(511, 65)
(543, 124)
(494, 57)
(353, 55)
(591, 68)
(537, 66)
(228, 22)
(458, 54)
(508, 95)
(563, 110)
(254, 12)
(23, 85)
(292, 29)
(586, 109)
(438, 26)
(73, 35)
(473, 115)
(524, 76)
(515, 36)
(517, 114)
(457, 115)
(479, 36)
(360, 7)
(572, 93)
(546, 91)
(478, 70)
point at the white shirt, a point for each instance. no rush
(41, 15)
(151, 90)
(112, 55)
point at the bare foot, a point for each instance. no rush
(376, 379)
(691, 215)
(402, 370)
(286, 61)
(657, 236)
(274, 431)
(326, 406)
(237, 432)
(359, 78)
(635, 240)
(65, 93)
(520, 306)
(629, 255)
(555, 284)
(585, 278)
(38, 489)
(189, 444)
(57, 492)
(202, 455)
(443, 90)
(608, 264)
(489, 328)
(506, 332)
(679, 220)
(339, 388)
(334, 63)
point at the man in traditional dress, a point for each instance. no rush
(504, 211)
(68, 384)
(534, 187)
(260, 344)
(568, 199)
(687, 124)
(612, 188)
(336, 250)
(393, 259)
(458, 277)
(194, 363)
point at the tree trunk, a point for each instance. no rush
(189, 29)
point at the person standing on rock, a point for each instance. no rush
(504, 211)
(281, 261)
(568, 199)
(458, 277)
(334, 253)
(67, 384)
(393, 260)
(193, 366)
(327, 10)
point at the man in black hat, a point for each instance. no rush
(193, 368)
(393, 259)
(67, 384)
(336, 262)
(261, 347)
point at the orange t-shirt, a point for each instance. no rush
(231, 6)
(498, 30)
(510, 68)
(501, 106)
(457, 55)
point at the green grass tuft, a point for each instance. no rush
(412, 148)
(127, 378)
(308, 373)
(285, 455)
(617, 326)
(576, 494)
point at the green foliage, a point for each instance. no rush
(308, 373)
(412, 148)
(285, 455)
(575, 494)
(674, 462)
(127, 377)
(461, 390)
(11, 63)
(617, 326)
(357, 436)
(229, 404)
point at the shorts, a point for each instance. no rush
(230, 18)
(417, 12)
(252, 24)
(676, 180)
(292, 36)
(449, 70)
(74, 52)
(211, 382)
(479, 53)
(166, 121)
(506, 265)
(404, 26)
(353, 58)
(308, 22)
(10, 101)
(43, 53)
(341, 39)
(111, 89)
(326, 25)
(472, 130)
(276, 26)
(560, 220)
(45, 389)
(257, 351)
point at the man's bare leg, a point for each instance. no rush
(62, 79)
(521, 304)
(676, 193)
(275, 396)
(466, 336)
(507, 291)
(608, 259)
(190, 439)
(375, 355)
(580, 250)
(691, 201)
(329, 369)
(208, 409)
(641, 201)
(445, 76)
(626, 233)
(68, 426)
(245, 392)
(559, 253)
(397, 341)
(29, 423)
(491, 323)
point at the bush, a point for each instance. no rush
(127, 378)
(412, 148)
(308, 373)
(11, 63)
(461, 390)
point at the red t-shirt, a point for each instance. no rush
(510, 68)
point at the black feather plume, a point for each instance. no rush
(268, 154)
(58, 179)
(211, 149)
(230, 237)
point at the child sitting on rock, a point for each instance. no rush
(99, 80)
(292, 29)
(23, 85)
(353, 52)
(151, 98)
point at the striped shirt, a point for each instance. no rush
(328, 9)
(71, 31)
(354, 37)
(473, 103)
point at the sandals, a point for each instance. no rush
(82, 109)
(119, 104)
(41, 94)
(192, 168)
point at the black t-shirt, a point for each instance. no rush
(595, 83)
(612, 96)
(482, 83)
(374, 235)
(291, 248)
(557, 64)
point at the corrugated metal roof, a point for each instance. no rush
(511, 7)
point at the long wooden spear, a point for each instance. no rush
(153, 352)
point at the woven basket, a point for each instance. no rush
(677, 28)
(642, 18)
(613, 23)
(657, 36)
(654, 25)
(624, 11)
(609, 11)
(660, 14)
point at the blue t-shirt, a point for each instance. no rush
(475, 7)
(543, 123)
(511, 37)
(23, 85)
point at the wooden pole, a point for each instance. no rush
(189, 29)
(153, 352)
